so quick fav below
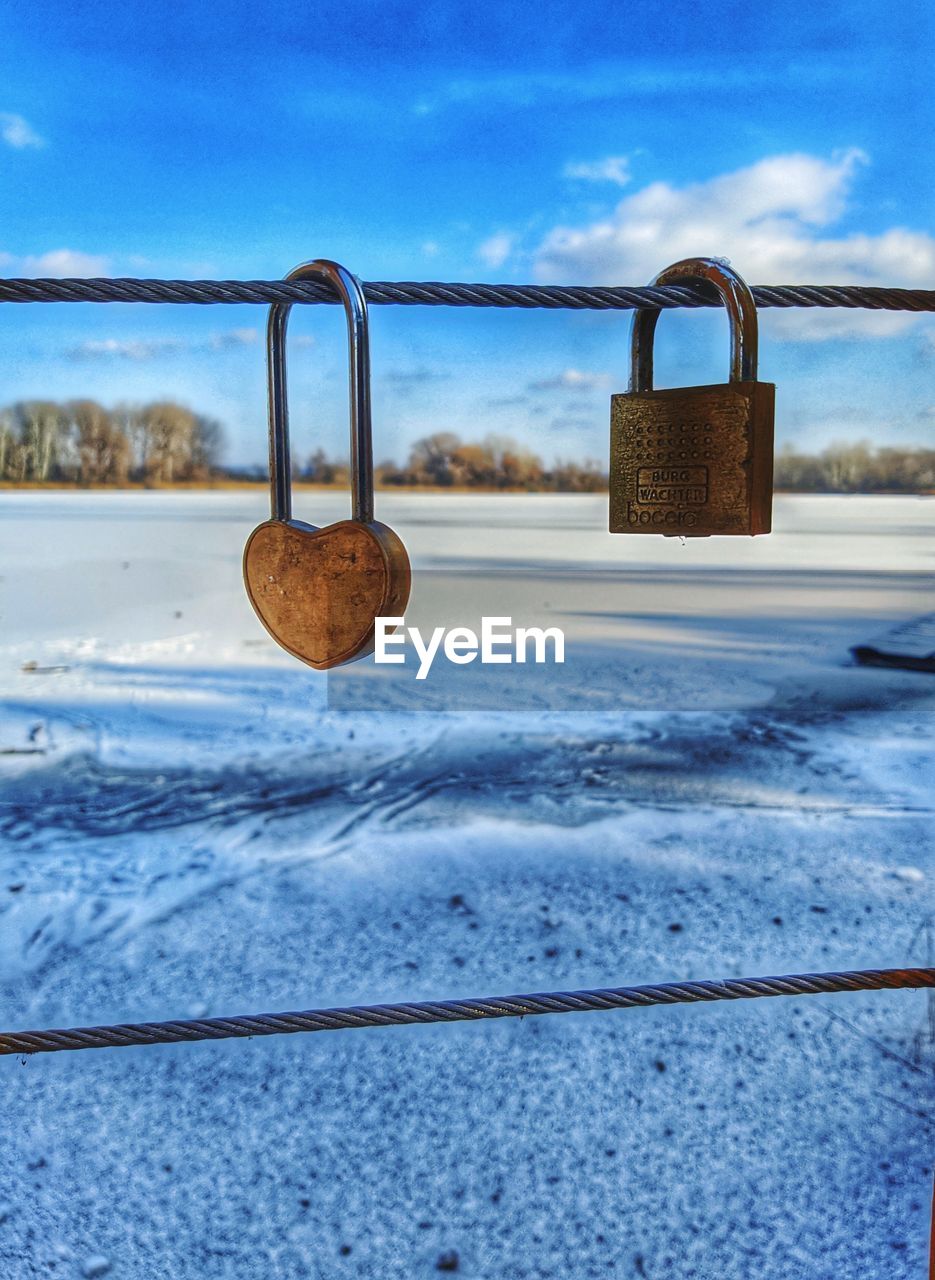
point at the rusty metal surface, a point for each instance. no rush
(318, 591)
(692, 461)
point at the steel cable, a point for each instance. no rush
(243, 1026)
(429, 293)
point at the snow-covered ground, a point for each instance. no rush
(193, 823)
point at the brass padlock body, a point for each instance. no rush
(693, 461)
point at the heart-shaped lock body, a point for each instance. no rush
(318, 592)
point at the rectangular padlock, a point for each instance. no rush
(694, 461)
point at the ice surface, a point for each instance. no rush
(193, 823)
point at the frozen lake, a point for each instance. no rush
(194, 823)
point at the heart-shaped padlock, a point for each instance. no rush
(318, 591)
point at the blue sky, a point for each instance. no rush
(563, 143)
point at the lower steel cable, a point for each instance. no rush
(123, 1035)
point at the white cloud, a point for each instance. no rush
(571, 380)
(17, 132)
(233, 338)
(124, 349)
(770, 220)
(142, 349)
(615, 81)
(413, 377)
(65, 263)
(495, 250)
(615, 169)
(570, 422)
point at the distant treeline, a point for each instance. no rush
(80, 442)
(443, 460)
(856, 468)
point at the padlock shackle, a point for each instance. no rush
(737, 298)
(351, 293)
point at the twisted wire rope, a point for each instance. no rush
(124, 1035)
(434, 293)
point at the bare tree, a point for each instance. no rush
(430, 457)
(38, 426)
(207, 446)
(128, 418)
(7, 440)
(102, 449)
(168, 430)
(847, 466)
(799, 472)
